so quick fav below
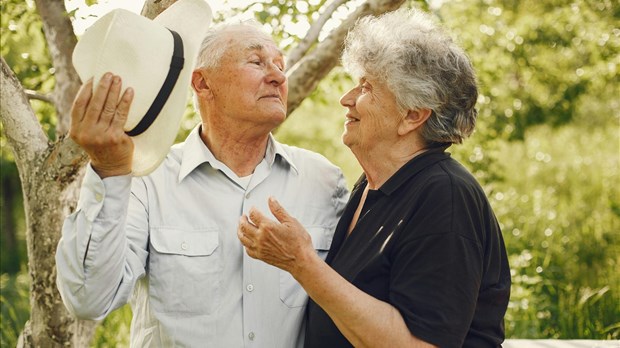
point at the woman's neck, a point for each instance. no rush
(378, 168)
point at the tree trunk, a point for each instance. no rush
(48, 174)
(48, 200)
(60, 41)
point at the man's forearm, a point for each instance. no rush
(95, 265)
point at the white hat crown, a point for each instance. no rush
(140, 51)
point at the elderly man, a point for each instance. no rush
(167, 242)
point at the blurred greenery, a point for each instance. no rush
(540, 62)
(14, 306)
(558, 211)
(546, 150)
(114, 330)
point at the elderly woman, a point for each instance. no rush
(418, 258)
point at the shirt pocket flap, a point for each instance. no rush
(321, 237)
(183, 242)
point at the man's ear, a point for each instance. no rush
(200, 84)
(413, 120)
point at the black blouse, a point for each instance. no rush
(428, 243)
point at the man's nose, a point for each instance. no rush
(276, 75)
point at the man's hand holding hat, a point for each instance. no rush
(98, 117)
(156, 59)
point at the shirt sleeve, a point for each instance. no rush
(341, 196)
(98, 260)
(436, 268)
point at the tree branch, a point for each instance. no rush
(313, 33)
(310, 70)
(65, 161)
(30, 94)
(21, 126)
(60, 40)
(152, 8)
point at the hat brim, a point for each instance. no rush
(112, 46)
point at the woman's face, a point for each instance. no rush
(372, 118)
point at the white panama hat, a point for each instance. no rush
(147, 55)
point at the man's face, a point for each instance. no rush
(250, 84)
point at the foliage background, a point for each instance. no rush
(546, 149)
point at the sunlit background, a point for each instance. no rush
(546, 148)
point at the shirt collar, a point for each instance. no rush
(275, 148)
(413, 167)
(195, 153)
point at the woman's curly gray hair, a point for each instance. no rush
(421, 65)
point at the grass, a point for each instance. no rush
(558, 206)
(14, 307)
(114, 330)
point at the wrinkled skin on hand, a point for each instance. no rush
(97, 121)
(283, 243)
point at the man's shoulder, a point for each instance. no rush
(304, 158)
(171, 164)
(175, 155)
(176, 152)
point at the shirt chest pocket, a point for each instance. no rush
(291, 293)
(185, 270)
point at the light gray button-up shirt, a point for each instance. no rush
(167, 243)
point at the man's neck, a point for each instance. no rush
(239, 151)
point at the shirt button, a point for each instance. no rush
(184, 246)
(251, 336)
(98, 197)
(250, 287)
(247, 195)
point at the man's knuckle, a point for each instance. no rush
(98, 140)
(73, 133)
(109, 109)
(79, 103)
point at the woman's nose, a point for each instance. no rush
(348, 99)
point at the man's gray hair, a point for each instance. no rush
(212, 48)
(421, 65)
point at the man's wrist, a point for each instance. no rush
(105, 172)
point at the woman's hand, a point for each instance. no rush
(364, 320)
(283, 243)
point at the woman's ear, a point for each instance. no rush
(199, 84)
(413, 120)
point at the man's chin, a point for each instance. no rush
(279, 115)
